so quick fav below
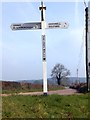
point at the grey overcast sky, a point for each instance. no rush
(22, 50)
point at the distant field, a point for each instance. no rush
(32, 89)
(51, 106)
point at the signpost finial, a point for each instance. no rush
(42, 8)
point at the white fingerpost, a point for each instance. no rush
(43, 26)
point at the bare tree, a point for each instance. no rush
(59, 72)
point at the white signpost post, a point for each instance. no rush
(41, 25)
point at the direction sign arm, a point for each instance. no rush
(62, 25)
(26, 26)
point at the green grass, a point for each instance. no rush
(21, 90)
(51, 106)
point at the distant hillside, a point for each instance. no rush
(68, 81)
(81, 79)
(52, 81)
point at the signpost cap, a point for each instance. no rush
(42, 6)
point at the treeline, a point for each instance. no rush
(26, 87)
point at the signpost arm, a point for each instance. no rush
(43, 8)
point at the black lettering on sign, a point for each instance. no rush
(43, 37)
(43, 48)
(44, 54)
(43, 44)
(53, 26)
(54, 23)
(44, 59)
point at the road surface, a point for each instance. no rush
(66, 91)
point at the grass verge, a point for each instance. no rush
(51, 106)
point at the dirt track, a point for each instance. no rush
(66, 91)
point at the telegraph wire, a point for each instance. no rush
(81, 52)
(82, 44)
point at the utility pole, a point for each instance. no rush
(77, 77)
(41, 25)
(87, 11)
(88, 46)
(89, 78)
(86, 16)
